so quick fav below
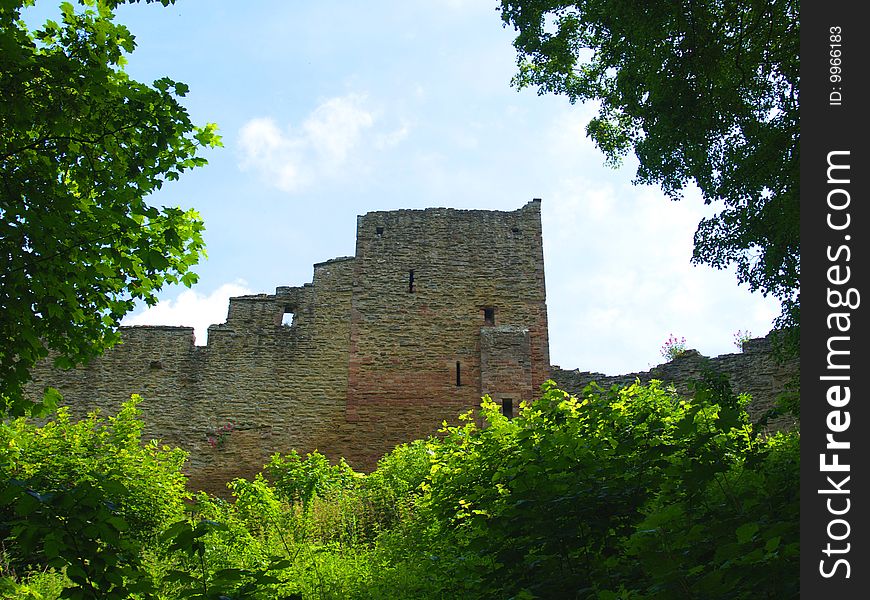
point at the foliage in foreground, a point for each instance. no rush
(86, 498)
(623, 493)
(82, 147)
(629, 493)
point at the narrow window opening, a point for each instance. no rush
(507, 407)
(288, 317)
(458, 374)
(489, 315)
(411, 287)
(379, 230)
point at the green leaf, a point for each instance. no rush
(83, 179)
(746, 532)
(772, 544)
(176, 576)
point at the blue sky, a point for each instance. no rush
(331, 109)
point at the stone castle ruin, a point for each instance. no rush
(437, 308)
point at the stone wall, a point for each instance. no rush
(280, 387)
(375, 356)
(424, 281)
(755, 371)
(437, 308)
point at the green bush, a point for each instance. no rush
(626, 493)
(395, 485)
(621, 493)
(85, 498)
(144, 480)
(298, 480)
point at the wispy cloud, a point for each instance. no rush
(275, 156)
(191, 309)
(623, 253)
(336, 126)
(293, 158)
(392, 138)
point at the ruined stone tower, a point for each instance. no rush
(438, 307)
(447, 305)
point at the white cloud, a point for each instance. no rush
(191, 309)
(335, 127)
(566, 138)
(275, 156)
(392, 138)
(323, 144)
(619, 271)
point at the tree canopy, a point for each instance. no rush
(82, 147)
(703, 92)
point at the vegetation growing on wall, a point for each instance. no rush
(629, 492)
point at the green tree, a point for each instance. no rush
(81, 148)
(703, 91)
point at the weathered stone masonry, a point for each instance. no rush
(436, 308)
(756, 371)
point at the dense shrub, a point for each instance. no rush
(145, 478)
(85, 498)
(631, 492)
(301, 480)
(627, 493)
